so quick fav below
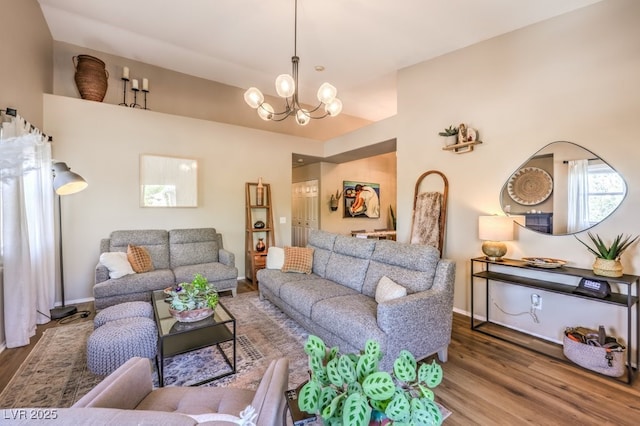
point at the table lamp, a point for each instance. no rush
(494, 230)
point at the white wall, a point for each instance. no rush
(103, 143)
(571, 78)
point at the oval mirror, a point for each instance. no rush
(563, 189)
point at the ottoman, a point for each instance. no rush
(113, 343)
(123, 310)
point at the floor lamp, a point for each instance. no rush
(65, 182)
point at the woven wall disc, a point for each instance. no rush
(530, 186)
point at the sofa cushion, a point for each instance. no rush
(388, 290)
(156, 241)
(322, 243)
(211, 271)
(139, 259)
(193, 246)
(298, 259)
(350, 317)
(304, 294)
(349, 261)
(135, 283)
(412, 266)
(275, 258)
(274, 279)
(117, 264)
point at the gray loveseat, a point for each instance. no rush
(177, 255)
(337, 300)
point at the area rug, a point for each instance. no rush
(55, 374)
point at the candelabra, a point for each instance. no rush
(135, 103)
(135, 89)
(145, 91)
(124, 92)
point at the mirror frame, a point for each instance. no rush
(556, 192)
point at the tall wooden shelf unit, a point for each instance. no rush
(256, 260)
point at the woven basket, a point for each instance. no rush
(607, 268)
(594, 358)
(91, 77)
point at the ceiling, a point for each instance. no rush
(360, 43)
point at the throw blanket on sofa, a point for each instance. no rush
(426, 219)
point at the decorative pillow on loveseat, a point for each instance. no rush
(298, 259)
(139, 259)
(117, 264)
(389, 290)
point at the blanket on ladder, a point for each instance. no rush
(426, 219)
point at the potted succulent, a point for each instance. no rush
(607, 262)
(350, 390)
(192, 301)
(333, 202)
(450, 135)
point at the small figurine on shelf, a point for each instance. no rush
(260, 246)
(260, 193)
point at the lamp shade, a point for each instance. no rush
(495, 228)
(65, 181)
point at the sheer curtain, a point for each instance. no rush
(27, 229)
(578, 211)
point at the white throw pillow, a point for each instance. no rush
(117, 264)
(388, 290)
(275, 258)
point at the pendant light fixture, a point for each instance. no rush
(287, 88)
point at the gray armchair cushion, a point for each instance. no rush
(193, 246)
(156, 241)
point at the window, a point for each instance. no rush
(606, 191)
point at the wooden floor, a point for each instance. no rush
(491, 382)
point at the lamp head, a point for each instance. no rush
(66, 182)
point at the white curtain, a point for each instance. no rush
(27, 229)
(578, 211)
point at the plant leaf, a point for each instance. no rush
(367, 364)
(315, 346)
(378, 386)
(404, 370)
(309, 397)
(333, 373)
(399, 408)
(356, 411)
(347, 369)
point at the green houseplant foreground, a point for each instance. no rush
(347, 389)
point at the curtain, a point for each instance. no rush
(27, 229)
(578, 211)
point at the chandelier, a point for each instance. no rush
(287, 88)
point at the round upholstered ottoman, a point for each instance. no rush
(123, 310)
(112, 344)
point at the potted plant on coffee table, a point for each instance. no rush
(193, 301)
(607, 262)
(350, 390)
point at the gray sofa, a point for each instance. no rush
(337, 300)
(177, 255)
(127, 397)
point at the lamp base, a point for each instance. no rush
(62, 312)
(494, 250)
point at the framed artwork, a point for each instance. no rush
(168, 181)
(361, 199)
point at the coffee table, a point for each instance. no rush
(176, 337)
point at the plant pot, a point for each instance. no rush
(607, 267)
(333, 206)
(450, 140)
(192, 315)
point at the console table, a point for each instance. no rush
(484, 270)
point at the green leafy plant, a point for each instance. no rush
(449, 131)
(393, 216)
(346, 389)
(197, 294)
(337, 196)
(612, 252)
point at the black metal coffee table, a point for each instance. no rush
(176, 337)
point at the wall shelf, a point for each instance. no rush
(461, 148)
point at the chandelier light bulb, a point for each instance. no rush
(302, 117)
(253, 97)
(327, 93)
(334, 108)
(285, 86)
(265, 111)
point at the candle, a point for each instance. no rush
(134, 84)
(145, 84)
(125, 73)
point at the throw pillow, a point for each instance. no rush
(117, 264)
(139, 258)
(298, 259)
(275, 258)
(388, 290)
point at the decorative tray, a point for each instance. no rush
(544, 262)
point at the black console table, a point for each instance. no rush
(484, 270)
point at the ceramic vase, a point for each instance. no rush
(607, 267)
(260, 193)
(260, 245)
(191, 315)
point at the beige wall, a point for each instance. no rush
(180, 94)
(571, 78)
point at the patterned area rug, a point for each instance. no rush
(55, 374)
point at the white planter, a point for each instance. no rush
(450, 140)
